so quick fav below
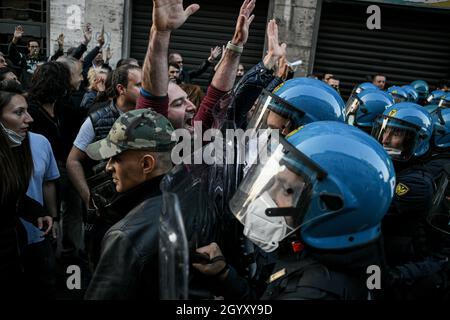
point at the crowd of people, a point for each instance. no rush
(88, 175)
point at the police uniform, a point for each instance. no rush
(403, 226)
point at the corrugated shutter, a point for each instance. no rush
(212, 25)
(413, 43)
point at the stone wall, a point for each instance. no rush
(69, 16)
(296, 23)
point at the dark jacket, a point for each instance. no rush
(60, 130)
(313, 275)
(13, 239)
(186, 75)
(403, 225)
(28, 64)
(128, 266)
(249, 88)
(103, 118)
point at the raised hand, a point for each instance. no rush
(18, 33)
(60, 40)
(101, 39)
(274, 47)
(243, 23)
(283, 68)
(108, 54)
(215, 52)
(87, 33)
(275, 51)
(169, 15)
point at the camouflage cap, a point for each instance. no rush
(141, 129)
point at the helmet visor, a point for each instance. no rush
(351, 109)
(398, 137)
(273, 198)
(444, 103)
(398, 98)
(271, 111)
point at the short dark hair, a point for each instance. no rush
(33, 40)
(174, 65)
(378, 75)
(3, 72)
(171, 56)
(119, 76)
(125, 61)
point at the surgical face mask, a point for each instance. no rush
(264, 231)
(393, 151)
(14, 138)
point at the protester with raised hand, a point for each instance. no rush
(155, 78)
(168, 15)
(261, 76)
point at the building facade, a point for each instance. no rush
(413, 41)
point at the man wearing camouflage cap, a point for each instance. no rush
(138, 148)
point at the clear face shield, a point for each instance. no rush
(351, 108)
(398, 137)
(273, 198)
(397, 98)
(444, 103)
(221, 112)
(271, 111)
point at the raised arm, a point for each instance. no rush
(168, 15)
(14, 54)
(226, 73)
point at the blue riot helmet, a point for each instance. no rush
(404, 130)
(431, 108)
(329, 180)
(421, 88)
(360, 88)
(435, 96)
(413, 96)
(364, 86)
(294, 103)
(441, 118)
(398, 93)
(364, 107)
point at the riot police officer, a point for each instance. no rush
(302, 196)
(362, 109)
(405, 130)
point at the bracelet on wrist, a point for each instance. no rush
(234, 48)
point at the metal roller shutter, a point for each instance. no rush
(413, 43)
(212, 25)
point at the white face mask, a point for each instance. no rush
(14, 138)
(262, 230)
(393, 151)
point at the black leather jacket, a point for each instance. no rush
(128, 266)
(249, 88)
